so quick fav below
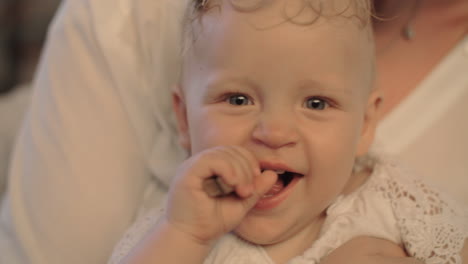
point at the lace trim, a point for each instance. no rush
(433, 227)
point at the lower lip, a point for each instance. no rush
(268, 203)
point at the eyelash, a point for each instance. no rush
(317, 99)
(230, 98)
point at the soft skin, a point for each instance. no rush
(305, 104)
(255, 96)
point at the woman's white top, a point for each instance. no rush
(98, 141)
(98, 145)
(391, 205)
(428, 130)
(12, 108)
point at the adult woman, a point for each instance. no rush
(95, 147)
(422, 56)
(96, 136)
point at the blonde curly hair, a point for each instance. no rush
(361, 11)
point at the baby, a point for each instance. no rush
(276, 103)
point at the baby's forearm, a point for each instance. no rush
(166, 244)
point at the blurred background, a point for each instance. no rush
(23, 28)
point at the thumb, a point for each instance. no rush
(262, 184)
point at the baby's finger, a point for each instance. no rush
(248, 167)
(216, 187)
(226, 172)
(219, 164)
(239, 181)
(251, 161)
(262, 184)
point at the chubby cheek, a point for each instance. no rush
(210, 129)
(332, 155)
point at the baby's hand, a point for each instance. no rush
(369, 250)
(191, 210)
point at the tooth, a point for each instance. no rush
(279, 171)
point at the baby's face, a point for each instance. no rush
(296, 96)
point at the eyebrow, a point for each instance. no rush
(306, 84)
(244, 81)
(314, 85)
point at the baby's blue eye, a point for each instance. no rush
(238, 99)
(316, 103)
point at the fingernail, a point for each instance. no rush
(257, 172)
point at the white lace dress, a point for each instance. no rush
(392, 205)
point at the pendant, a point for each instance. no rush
(408, 32)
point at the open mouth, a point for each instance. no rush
(280, 190)
(284, 179)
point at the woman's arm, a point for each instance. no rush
(464, 253)
(77, 173)
(81, 163)
(368, 250)
(376, 251)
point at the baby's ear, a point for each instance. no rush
(180, 109)
(371, 119)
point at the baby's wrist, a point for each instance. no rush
(163, 245)
(173, 230)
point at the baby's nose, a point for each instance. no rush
(275, 130)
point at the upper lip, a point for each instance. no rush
(277, 166)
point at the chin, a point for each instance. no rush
(256, 239)
(259, 234)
